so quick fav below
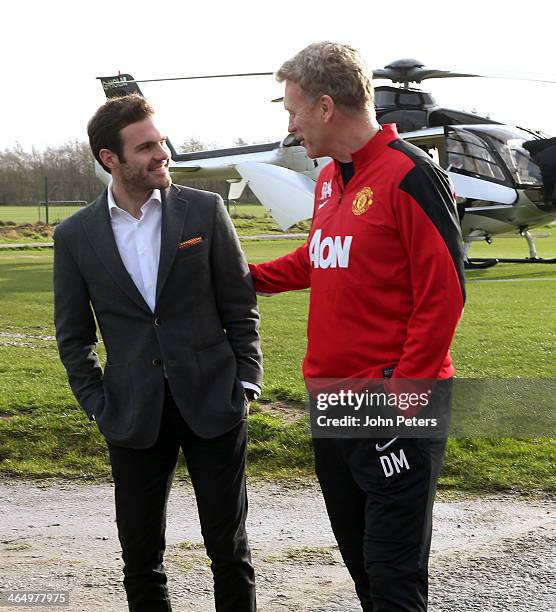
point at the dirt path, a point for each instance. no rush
(489, 554)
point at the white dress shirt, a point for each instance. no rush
(138, 241)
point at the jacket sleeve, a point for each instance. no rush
(76, 330)
(429, 229)
(235, 297)
(292, 271)
(287, 273)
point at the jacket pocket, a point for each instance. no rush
(216, 358)
(118, 414)
(191, 251)
(217, 365)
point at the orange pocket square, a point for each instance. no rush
(188, 243)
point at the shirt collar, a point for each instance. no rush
(113, 207)
(374, 146)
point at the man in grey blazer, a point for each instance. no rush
(160, 268)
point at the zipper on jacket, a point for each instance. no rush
(341, 188)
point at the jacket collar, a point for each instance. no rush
(98, 228)
(174, 211)
(372, 149)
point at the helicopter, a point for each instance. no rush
(504, 176)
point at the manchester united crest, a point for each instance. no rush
(362, 201)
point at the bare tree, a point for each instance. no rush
(69, 168)
(193, 144)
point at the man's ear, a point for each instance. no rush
(109, 158)
(327, 108)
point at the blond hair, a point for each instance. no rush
(333, 69)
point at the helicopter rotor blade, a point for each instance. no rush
(520, 78)
(447, 74)
(420, 74)
(402, 71)
(408, 70)
(204, 76)
(444, 74)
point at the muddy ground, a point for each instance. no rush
(490, 553)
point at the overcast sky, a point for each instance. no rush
(52, 52)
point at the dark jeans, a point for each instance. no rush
(143, 479)
(380, 508)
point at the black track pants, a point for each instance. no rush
(379, 496)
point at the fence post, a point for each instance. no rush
(46, 198)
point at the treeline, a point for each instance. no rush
(69, 169)
(70, 173)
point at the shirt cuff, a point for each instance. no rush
(255, 388)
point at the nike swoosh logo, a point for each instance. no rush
(385, 446)
(321, 205)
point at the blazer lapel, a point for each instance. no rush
(174, 211)
(99, 231)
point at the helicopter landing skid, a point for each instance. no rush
(478, 262)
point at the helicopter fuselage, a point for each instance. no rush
(500, 186)
(495, 179)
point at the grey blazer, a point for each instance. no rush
(203, 333)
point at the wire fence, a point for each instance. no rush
(48, 213)
(52, 213)
(45, 199)
(50, 201)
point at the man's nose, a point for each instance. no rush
(162, 152)
(291, 126)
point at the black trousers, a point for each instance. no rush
(379, 495)
(142, 484)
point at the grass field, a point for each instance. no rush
(35, 214)
(508, 331)
(249, 219)
(25, 213)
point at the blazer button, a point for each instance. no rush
(157, 322)
(157, 362)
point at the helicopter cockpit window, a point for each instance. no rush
(509, 145)
(406, 120)
(409, 98)
(385, 98)
(468, 154)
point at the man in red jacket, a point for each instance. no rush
(385, 266)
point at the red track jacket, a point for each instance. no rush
(384, 262)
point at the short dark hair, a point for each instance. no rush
(114, 115)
